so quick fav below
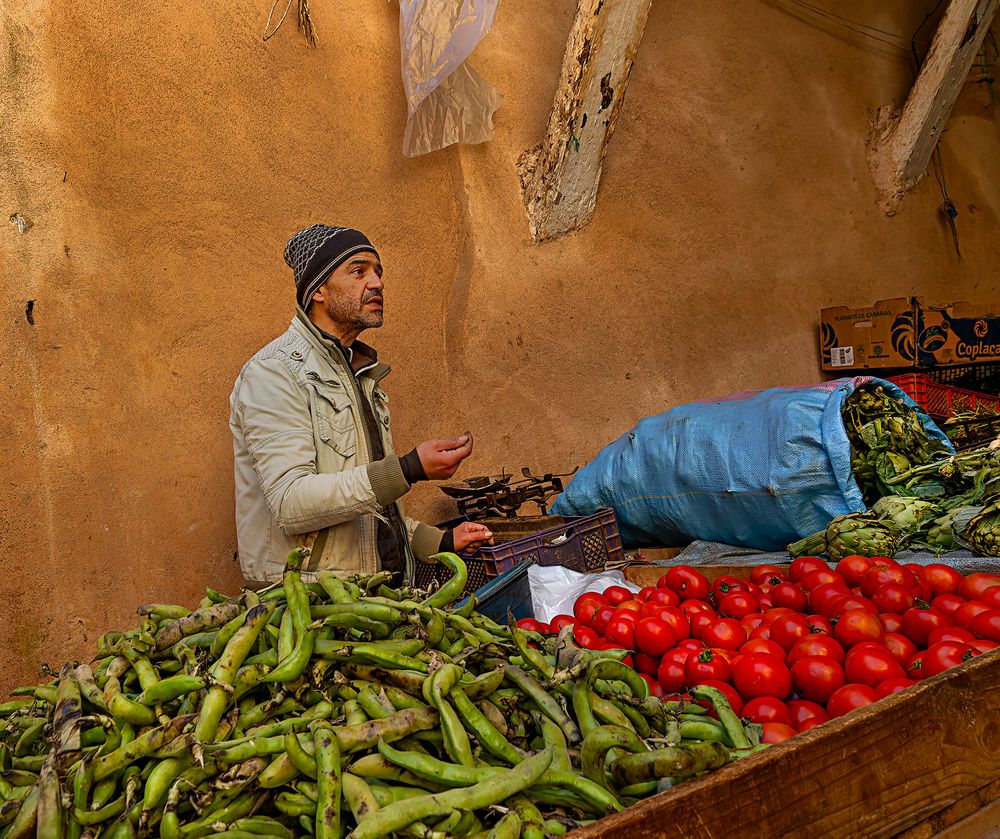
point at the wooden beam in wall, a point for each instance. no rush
(560, 176)
(902, 142)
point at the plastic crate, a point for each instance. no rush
(583, 543)
(941, 400)
(981, 378)
(508, 592)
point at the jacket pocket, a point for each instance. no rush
(333, 418)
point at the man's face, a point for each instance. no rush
(353, 294)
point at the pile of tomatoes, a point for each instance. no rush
(794, 646)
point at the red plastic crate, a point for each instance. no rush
(943, 401)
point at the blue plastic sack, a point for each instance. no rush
(759, 469)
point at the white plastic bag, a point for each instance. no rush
(554, 589)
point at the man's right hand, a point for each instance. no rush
(441, 458)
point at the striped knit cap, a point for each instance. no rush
(316, 251)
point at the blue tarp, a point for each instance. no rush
(758, 469)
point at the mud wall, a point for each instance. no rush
(159, 159)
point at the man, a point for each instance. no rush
(313, 453)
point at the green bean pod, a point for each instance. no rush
(532, 823)
(730, 722)
(26, 821)
(509, 827)
(294, 748)
(546, 704)
(202, 620)
(327, 780)
(358, 796)
(141, 746)
(670, 762)
(168, 689)
(486, 733)
(599, 742)
(454, 587)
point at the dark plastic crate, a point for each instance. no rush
(940, 400)
(510, 591)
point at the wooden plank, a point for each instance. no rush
(963, 818)
(559, 177)
(875, 772)
(902, 143)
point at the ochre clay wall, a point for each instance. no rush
(161, 159)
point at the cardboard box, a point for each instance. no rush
(903, 332)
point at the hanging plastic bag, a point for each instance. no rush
(554, 589)
(447, 101)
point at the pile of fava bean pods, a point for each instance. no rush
(342, 707)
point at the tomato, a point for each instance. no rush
(852, 568)
(803, 709)
(883, 561)
(857, 625)
(751, 622)
(815, 645)
(893, 597)
(688, 582)
(645, 592)
(760, 674)
(816, 677)
(616, 595)
(674, 617)
(777, 732)
(820, 596)
(877, 577)
(621, 631)
(693, 607)
(531, 625)
(871, 666)
(803, 565)
(943, 579)
(559, 621)
(809, 724)
(654, 637)
(759, 645)
(738, 604)
(944, 655)
(772, 574)
(706, 665)
(915, 666)
(631, 606)
(986, 625)
(820, 625)
(839, 605)
(789, 596)
(787, 629)
(764, 601)
(670, 673)
(975, 584)
(983, 645)
(665, 597)
(585, 636)
(964, 614)
(948, 603)
(646, 664)
(901, 647)
(891, 622)
(950, 633)
(991, 597)
(820, 577)
(891, 686)
(651, 609)
(849, 697)
(587, 606)
(604, 616)
(691, 645)
(727, 690)
(763, 631)
(723, 585)
(918, 623)
(727, 633)
(627, 615)
(701, 622)
(767, 709)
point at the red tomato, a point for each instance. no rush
(849, 697)
(810, 723)
(891, 622)
(646, 664)
(872, 666)
(631, 605)
(877, 577)
(693, 607)
(777, 732)
(820, 596)
(764, 709)
(738, 604)
(893, 597)
(654, 637)
(760, 674)
(530, 625)
(975, 584)
(691, 645)
(802, 710)
(919, 622)
(950, 633)
(655, 688)
(644, 593)
(816, 677)
(948, 603)
(759, 645)
(991, 597)
(891, 686)
(883, 561)
(688, 582)
(727, 633)
(857, 625)
(627, 615)
(727, 690)
(964, 614)
(983, 645)
(852, 568)
(674, 617)
(901, 647)
(621, 631)
(803, 565)
(789, 596)
(986, 625)
(585, 636)
(665, 597)
(763, 631)
(706, 665)
(838, 605)
(701, 622)
(819, 577)
(815, 645)
(604, 616)
(722, 585)
(943, 579)
(559, 621)
(617, 595)
(772, 574)
(587, 606)
(751, 622)
(820, 625)
(787, 629)
(915, 666)
(651, 609)
(944, 655)
(670, 673)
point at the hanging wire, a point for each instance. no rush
(883, 36)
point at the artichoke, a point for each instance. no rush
(940, 536)
(859, 533)
(983, 532)
(904, 515)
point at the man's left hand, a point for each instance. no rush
(469, 536)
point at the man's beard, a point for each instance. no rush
(350, 312)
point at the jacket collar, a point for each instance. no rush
(309, 330)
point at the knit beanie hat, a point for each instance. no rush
(316, 251)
